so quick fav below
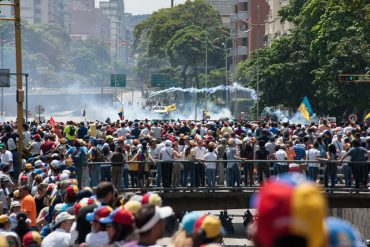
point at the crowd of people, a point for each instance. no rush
(69, 188)
(189, 154)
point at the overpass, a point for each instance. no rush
(187, 201)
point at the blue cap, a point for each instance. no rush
(342, 233)
(37, 171)
(188, 221)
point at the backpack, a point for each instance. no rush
(99, 156)
(72, 130)
(76, 156)
(11, 144)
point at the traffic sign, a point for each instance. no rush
(40, 109)
(162, 81)
(118, 80)
(352, 117)
(4, 77)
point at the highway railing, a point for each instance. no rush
(302, 168)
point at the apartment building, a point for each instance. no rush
(274, 28)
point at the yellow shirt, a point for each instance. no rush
(66, 132)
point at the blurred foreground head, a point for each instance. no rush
(291, 212)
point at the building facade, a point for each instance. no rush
(274, 28)
(46, 12)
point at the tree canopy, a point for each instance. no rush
(330, 37)
(178, 37)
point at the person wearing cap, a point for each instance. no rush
(99, 234)
(341, 232)
(5, 189)
(207, 231)
(61, 237)
(32, 239)
(4, 223)
(338, 142)
(15, 208)
(150, 224)
(13, 239)
(120, 226)
(167, 155)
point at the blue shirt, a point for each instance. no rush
(300, 152)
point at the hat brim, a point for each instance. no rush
(165, 212)
(90, 216)
(106, 220)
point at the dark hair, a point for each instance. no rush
(145, 214)
(355, 143)
(332, 148)
(315, 144)
(22, 226)
(122, 232)
(103, 189)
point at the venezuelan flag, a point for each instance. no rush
(367, 116)
(121, 114)
(305, 109)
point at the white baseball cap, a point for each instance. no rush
(63, 216)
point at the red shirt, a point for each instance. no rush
(47, 146)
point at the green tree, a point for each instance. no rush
(330, 37)
(179, 35)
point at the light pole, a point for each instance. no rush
(2, 66)
(258, 67)
(226, 79)
(206, 79)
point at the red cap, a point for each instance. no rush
(31, 237)
(72, 190)
(119, 216)
(24, 178)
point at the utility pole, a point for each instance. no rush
(258, 66)
(172, 3)
(2, 66)
(18, 56)
(206, 81)
(101, 66)
(20, 94)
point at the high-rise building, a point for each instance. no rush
(46, 12)
(224, 8)
(274, 28)
(114, 10)
(88, 22)
(248, 27)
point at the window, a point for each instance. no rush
(244, 42)
(245, 6)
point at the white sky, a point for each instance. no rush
(138, 7)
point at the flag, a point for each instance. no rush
(305, 109)
(367, 116)
(121, 115)
(170, 108)
(84, 114)
(52, 121)
(205, 115)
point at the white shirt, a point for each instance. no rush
(36, 148)
(211, 156)
(338, 145)
(6, 158)
(97, 239)
(122, 132)
(27, 138)
(158, 149)
(167, 153)
(199, 152)
(58, 238)
(157, 132)
(281, 155)
(313, 154)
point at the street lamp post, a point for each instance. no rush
(258, 67)
(206, 79)
(226, 79)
